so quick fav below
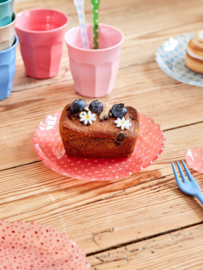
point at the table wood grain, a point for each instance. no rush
(139, 222)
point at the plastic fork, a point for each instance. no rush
(188, 186)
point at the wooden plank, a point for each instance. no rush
(66, 6)
(139, 206)
(22, 112)
(177, 250)
(125, 211)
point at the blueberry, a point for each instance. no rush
(119, 110)
(96, 106)
(77, 106)
(121, 137)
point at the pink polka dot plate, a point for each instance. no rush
(33, 247)
(49, 148)
(194, 158)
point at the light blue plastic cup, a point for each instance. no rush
(7, 69)
(6, 11)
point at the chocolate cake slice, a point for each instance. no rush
(98, 132)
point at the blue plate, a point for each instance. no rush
(171, 59)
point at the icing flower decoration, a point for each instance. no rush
(87, 118)
(123, 123)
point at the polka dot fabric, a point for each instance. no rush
(171, 59)
(48, 146)
(32, 247)
(194, 158)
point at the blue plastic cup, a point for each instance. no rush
(6, 11)
(7, 69)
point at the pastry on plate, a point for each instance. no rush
(194, 53)
(99, 131)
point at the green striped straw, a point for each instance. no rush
(95, 11)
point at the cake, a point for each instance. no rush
(99, 131)
(194, 53)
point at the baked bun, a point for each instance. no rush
(91, 131)
(194, 53)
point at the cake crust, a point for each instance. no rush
(194, 63)
(194, 53)
(102, 139)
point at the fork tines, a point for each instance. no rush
(190, 178)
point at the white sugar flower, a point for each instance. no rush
(87, 118)
(123, 123)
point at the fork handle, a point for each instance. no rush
(199, 196)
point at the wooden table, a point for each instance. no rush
(142, 221)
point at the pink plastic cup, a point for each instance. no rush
(94, 71)
(41, 34)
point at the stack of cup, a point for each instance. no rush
(8, 43)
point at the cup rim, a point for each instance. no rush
(14, 45)
(45, 31)
(13, 21)
(92, 50)
(6, 2)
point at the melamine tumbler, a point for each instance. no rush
(7, 69)
(6, 11)
(94, 71)
(41, 35)
(7, 33)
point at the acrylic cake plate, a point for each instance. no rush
(49, 148)
(194, 158)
